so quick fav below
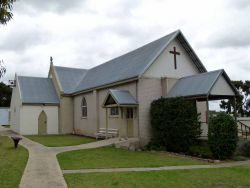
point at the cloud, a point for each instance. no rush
(86, 33)
(231, 37)
(23, 39)
(239, 4)
(38, 6)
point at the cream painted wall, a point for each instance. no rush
(202, 109)
(164, 65)
(149, 89)
(222, 88)
(97, 114)
(66, 112)
(29, 119)
(15, 106)
(85, 125)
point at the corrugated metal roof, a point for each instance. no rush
(196, 85)
(69, 77)
(35, 90)
(132, 64)
(122, 97)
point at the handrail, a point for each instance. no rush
(246, 129)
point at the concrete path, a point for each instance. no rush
(90, 145)
(224, 165)
(42, 169)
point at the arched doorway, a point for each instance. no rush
(42, 123)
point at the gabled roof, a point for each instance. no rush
(121, 97)
(35, 90)
(133, 64)
(69, 77)
(199, 85)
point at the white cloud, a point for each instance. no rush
(87, 33)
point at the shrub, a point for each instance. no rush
(244, 149)
(222, 135)
(200, 151)
(175, 124)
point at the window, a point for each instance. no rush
(130, 114)
(114, 111)
(84, 107)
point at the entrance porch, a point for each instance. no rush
(121, 114)
(202, 88)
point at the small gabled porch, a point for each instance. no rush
(121, 114)
(202, 88)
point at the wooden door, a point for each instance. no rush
(130, 122)
(42, 123)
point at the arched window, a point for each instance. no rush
(84, 107)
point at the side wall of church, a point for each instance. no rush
(29, 119)
(15, 106)
(66, 115)
(96, 115)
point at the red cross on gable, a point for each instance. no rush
(175, 53)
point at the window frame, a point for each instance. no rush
(114, 114)
(84, 108)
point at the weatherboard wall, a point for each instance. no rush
(222, 88)
(164, 64)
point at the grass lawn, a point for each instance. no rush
(110, 157)
(224, 177)
(12, 163)
(60, 140)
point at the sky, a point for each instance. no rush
(87, 33)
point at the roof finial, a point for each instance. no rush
(51, 60)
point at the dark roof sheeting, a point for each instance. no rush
(122, 97)
(69, 77)
(36, 90)
(197, 85)
(132, 64)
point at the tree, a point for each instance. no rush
(242, 101)
(5, 95)
(2, 69)
(5, 11)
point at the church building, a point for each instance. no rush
(116, 95)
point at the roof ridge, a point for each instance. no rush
(32, 77)
(70, 67)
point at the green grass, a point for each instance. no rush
(110, 157)
(12, 163)
(60, 140)
(223, 178)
